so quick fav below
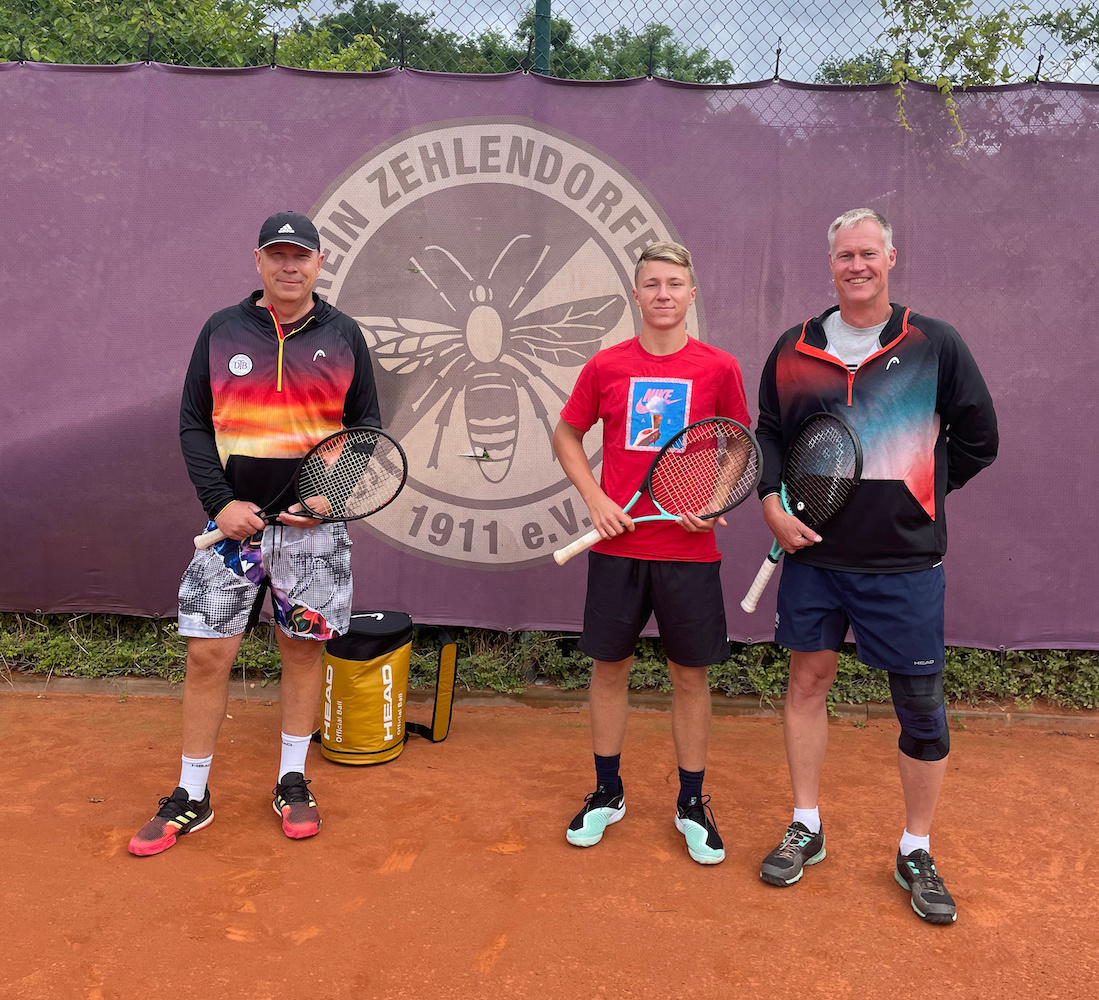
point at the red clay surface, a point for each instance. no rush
(446, 873)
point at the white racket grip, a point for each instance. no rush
(562, 556)
(204, 541)
(759, 584)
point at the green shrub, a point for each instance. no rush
(113, 645)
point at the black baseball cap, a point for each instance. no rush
(289, 227)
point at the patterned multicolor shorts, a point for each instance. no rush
(310, 574)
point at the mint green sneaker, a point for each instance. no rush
(695, 820)
(601, 809)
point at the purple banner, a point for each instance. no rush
(459, 214)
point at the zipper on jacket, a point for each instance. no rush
(883, 350)
(816, 352)
(282, 339)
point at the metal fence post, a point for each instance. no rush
(542, 18)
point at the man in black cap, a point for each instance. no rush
(269, 377)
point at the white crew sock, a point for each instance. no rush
(294, 751)
(909, 843)
(193, 775)
(809, 818)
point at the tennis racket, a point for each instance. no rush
(706, 469)
(348, 475)
(822, 468)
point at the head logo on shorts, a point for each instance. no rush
(485, 261)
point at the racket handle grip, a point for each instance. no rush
(562, 556)
(759, 584)
(205, 540)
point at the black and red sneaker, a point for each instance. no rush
(297, 807)
(178, 814)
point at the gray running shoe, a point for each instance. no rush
(916, 872)
(786, 863)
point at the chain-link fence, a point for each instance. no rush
(709, 41)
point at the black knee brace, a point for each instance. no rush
(921, 710)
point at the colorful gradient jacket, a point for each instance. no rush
(926, 422)
(253, 404)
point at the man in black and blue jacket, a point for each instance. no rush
(915, 397)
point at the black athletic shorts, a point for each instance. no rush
(686, 596)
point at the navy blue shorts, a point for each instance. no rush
(897, 618)
(686, 597)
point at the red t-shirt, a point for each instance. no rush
(633, 393)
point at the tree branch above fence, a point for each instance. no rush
(823, 41)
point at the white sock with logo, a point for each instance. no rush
(809, 818)
(193, 775)
(910, 843)
(294, 751)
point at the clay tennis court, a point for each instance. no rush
(446, 873)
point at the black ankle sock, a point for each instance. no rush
(690, 784)
(606, 771)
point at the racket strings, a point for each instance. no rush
(820, 472)
(351, 475)
(715, 469)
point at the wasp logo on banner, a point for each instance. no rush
(485, 261)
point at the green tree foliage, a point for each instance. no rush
(1077, 29)
(424, 47)
(568, 59)
(317, 48)
(626, 53)
(953, 43)
(621, 54)
(359, 35)
(875, 65)
(186, 32)
(947, 42)
(950, 43)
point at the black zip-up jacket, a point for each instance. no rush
(924, 418)
(254, 402)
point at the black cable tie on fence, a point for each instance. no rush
(1038, 72)
(401, 66)
(274, 48)
(526, 59)
(21, 59)
(149, 50)
(778, 56)
(651, 43)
